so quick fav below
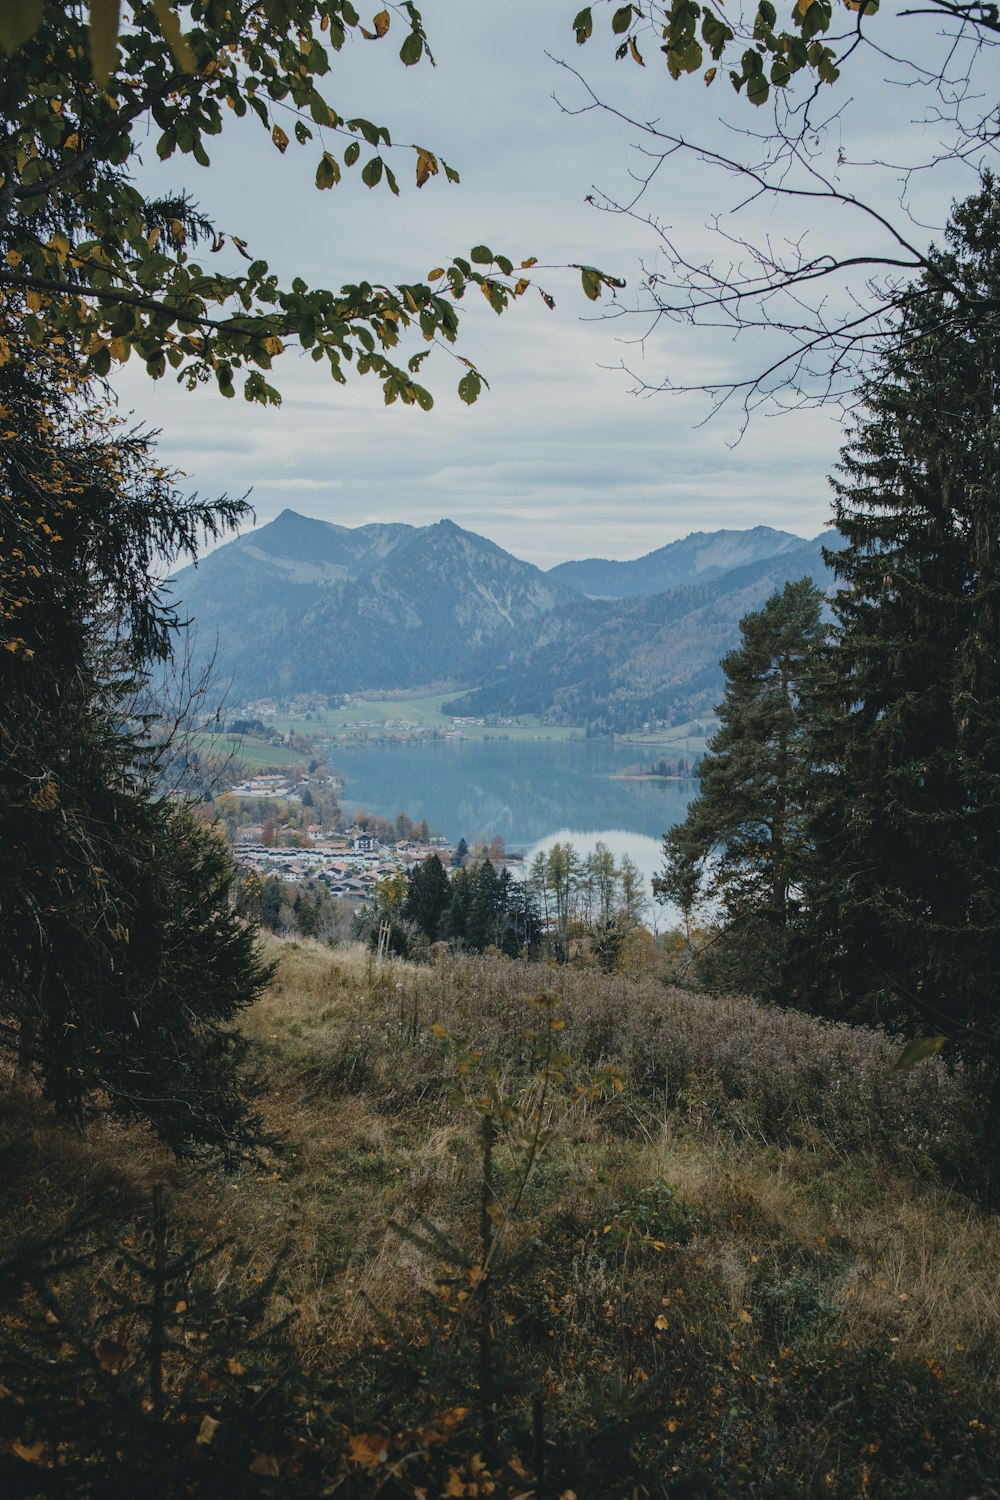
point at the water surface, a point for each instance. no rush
(524, 790)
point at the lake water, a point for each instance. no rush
(530, 792)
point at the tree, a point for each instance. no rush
(902, 900)
(739, 852)
(428, 896)
(816, 234)
(123, 964)
(99, 261)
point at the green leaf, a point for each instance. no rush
(591, 282)
(583, 25)
(481, 255)
(351, 154)
(758, 89)
(412, 49)
(917, 1050)
(19, 20)
(328, 171)
(469, 387)
(621, 20)
(372, 173)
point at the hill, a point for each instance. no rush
(304, 605)
(748, 1270)
(698, 557)
(613, 664)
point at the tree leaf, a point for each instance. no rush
(583, 25)
(104, 19)
(372, 173)
(621, 20)
(381, 23)
(469, 387)
(426, 166)
(917, 1050)
(280, 139)
(328, 171)
(412, 50)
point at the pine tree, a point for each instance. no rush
(428, 896)
(739, 851)
(903, 905)
(123, 963)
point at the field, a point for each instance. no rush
(248, 751)
(424, 711)
(680, 739)
(620, 1241)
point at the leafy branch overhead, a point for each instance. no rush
(690, 35)
(97, 260)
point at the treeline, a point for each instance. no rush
(569, 907)
(845, 847)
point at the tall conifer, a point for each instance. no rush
(903, 908)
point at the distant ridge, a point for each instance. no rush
(702, 555)
(305, 605)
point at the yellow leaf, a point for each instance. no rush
(455, 1485)
(233, 1367)
(206, 1432)
(435, 275)
(279, 138)
(661, 1323)
(745, 1316)
(120, 350)
(14, 258)
(273, 345)
(710, 75)
(32, 1455)
(803, 6)
(368, 1448)
(177, 232)
(426, 166)
(72, 142)
(381, 23)
(180, 1307)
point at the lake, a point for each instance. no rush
(530, 792)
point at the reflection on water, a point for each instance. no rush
(530, 792)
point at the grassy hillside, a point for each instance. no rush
(247, 751)
(423, 710)
(729, 1252)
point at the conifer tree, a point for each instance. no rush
(739, 851)
(122, 964)
(903, 904)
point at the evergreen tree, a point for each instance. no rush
(904, 893)
(739, 851)
(123, 963)
(428, 896)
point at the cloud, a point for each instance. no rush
(557, 460)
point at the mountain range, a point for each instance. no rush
(304, 605)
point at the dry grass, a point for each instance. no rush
(815, 1245)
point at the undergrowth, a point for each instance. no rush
(667, 1245)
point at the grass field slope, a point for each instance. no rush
(525, 1232)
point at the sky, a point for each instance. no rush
(560, 458)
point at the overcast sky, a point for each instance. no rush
(557, 459)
